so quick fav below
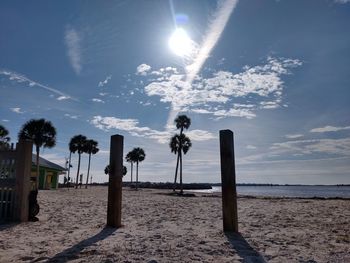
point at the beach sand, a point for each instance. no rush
(161, 228)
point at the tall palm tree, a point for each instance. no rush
(138, 155)
(90, 148)
(182, 122)
(4, 138)
(42, 133)
(129, 159)
(178, 144)
(77, 144)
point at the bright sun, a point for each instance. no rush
(180, 43)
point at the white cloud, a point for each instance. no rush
(293, 136)
(215, 94)
(143, 69)
(19, 78)
(251, 147)
(132, 127)
(330, 129)
(325, 146)
(71, 116)
(342, 1)
(63, 98)
(97, 100)
(103, 94)
(17, 110)
(104, 82)
(5, 120)
(72, 40)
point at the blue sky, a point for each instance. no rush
(274, 72)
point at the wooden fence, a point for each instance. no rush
(15, 167)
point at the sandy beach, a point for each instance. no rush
(161, 228)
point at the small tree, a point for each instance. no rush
(178, 144)
(77, 144)
(138, 155)
(4, 138)
(90, 148)
(42, 133)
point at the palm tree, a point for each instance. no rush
(178, 144)
(125, 170)
(182, 122)
(90, 148)
(42, 133)
(77, 144)
(4, 138)
(138, 155)
(129, 159)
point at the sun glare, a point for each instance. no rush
(180, 43)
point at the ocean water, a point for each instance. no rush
(288, 191)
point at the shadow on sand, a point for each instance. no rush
(73, 252)
(5, 225)
(243, 249)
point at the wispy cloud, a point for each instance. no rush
(342, 1)
(251, 147)
(330, 129)
(293, 136)
(72, 40)
(97, 100)
(17, 110)
(339, 147)
(216, 27)
(104, 82)
(71, 116)
(132, 127)
(216, 95)
(19, 78)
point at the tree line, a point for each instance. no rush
(43, 135)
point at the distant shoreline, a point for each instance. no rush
(200, 186)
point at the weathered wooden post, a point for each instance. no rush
(22, 186)
(114, 207)
(228, 181)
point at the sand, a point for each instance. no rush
(162, 228)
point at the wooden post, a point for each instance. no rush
(114, 207)
(228, 181)
(22, 187)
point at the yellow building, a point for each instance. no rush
(49, 173)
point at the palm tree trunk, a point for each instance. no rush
(137, 173)
(131, 164)
(76, 182)
(70, 158)
(181, 187)
(37, 168)
(88, 172)
(177, 168)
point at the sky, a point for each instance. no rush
(276, 73)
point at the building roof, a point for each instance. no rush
(47, 164)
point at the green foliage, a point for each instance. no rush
(40, 131)
(4, 138)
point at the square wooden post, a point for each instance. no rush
(228, 181)
(114, 207)
(22, 187)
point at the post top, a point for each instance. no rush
(226, 131)
(117, 136)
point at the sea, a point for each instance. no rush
(307, 191)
